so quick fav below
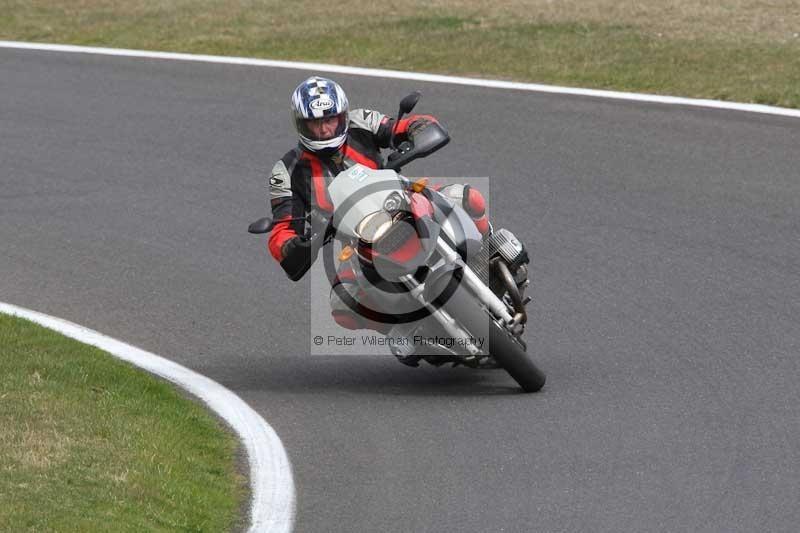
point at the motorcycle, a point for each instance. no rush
(421, 265)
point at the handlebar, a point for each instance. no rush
(319, 225)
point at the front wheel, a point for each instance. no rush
(506, 350)
(510, 355)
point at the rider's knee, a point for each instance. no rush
(472, 201)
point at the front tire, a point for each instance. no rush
(506, 350)
(509, 354)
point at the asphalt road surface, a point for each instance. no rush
(666, 313)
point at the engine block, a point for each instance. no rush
(503, 243)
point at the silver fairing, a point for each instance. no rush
(364, 190)
(459, 227)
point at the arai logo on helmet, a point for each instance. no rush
(322, 104)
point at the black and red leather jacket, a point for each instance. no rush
(299, 180)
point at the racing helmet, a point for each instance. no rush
(314, 100)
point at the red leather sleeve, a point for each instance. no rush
(281, 232)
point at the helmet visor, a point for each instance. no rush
(322, 129)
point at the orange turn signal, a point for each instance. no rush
(346, 253)
(419, 185)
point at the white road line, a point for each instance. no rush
(416, 76)
(273, 494)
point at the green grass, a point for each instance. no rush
(735, 50)
(90, 443)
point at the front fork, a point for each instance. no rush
(474, 284)
(451, 327)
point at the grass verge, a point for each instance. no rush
(90, 443)
(743, 50)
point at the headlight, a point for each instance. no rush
(373, 226)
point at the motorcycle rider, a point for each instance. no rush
(332, 137)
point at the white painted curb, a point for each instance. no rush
(273, 494)
(416, 76)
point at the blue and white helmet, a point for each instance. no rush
(318, 98)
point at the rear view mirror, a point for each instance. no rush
(408, 103)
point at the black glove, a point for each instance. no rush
(297, 257)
